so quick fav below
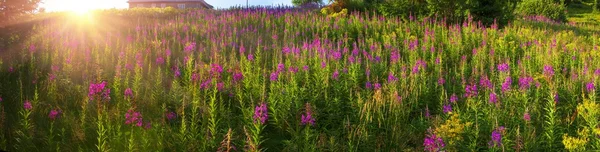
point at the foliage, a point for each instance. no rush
(304, 2)
(11, 9)
(546, 8)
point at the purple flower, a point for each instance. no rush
(368, 85)
(293, 69)
(99, 89)
(377, 86)
(220, 86)
(493, 98)
(323, 64)
(392, 78)
(128, 93)
(447, 108)
(506, 84)
(171, 115)
(54, 114)
(525, 82)
(441, 81)
(133, 117)
(485, 82)
(280, 67)
(27, 105)
(1, 99)
(453, 98)
(526, 117)
(274, 76)
(471, 91)
(548, 70)
(496, 137)
(307, 118)
(216, 68)
(503, 67)
(260, 113)
(160, 60)
(335, 75)
(237, 77)
(148, 125)
(189, 47)
(305, 68)
(590, 87)
(556, 98)
(433, 143)
(250, 57)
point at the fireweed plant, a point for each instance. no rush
(289, 79)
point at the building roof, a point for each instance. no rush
(202, 1)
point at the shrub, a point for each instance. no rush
(402, 8)
(546, 8)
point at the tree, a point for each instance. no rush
(11, 9)
(303, 2)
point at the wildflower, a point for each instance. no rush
(11, 69)
(447, 108)
(556, 98)
(99, 90)
(216, 68)
(0, 99)
(305, 68)
(335, 75)
(548, 70)
(392, 78)
(323, 64)
(148, 125)
(133, 117)
(171, 115)
(493, 98)
(484, 82)
(525, 82)
(128, 93)
(220, 86)
(27, 105)
(506, 84)
(260, 114)
(160, 60)
(471, 91)
(280, 67)
(293, 69)
(496, 137)
(54, 114)
(441, 81)
(274, 76)
(307, 118)
(189, 47)
(503, 67)
(377, 86)
(526, 117)
(368, 85)
(237, 76)
(433, 143)
(590, 87)
(453, 98)
(250, 57)
(427, 114)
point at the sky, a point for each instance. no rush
(72, 5)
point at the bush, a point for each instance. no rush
(402, 8)
(546, 8)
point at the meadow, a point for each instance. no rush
(285, 79)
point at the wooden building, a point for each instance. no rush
(181, 4)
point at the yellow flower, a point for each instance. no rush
(452, 129)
